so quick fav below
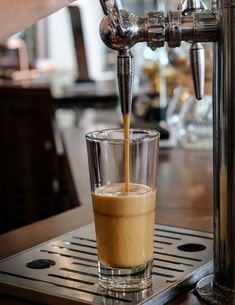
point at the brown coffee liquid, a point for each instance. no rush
(126, 127)
(124, 224)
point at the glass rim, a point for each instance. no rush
(95, 135)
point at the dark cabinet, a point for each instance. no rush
(32, 181)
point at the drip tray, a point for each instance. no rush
(64, 270)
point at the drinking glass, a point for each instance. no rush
(124, 220)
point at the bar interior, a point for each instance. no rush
(71, 68)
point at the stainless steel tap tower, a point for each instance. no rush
(194, 23)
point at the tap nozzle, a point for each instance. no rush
(196, 52)
(197, 61)
(125, 74)
(119, 36)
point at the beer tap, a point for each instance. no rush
(196, 52)
(197, 62)
(194, 23)
(117, 23)
(121, 29)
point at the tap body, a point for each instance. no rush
(155, 29)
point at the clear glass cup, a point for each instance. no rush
(124, 221)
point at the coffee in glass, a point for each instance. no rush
(124, 219)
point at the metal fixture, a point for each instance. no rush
(120, 30)
(125, 72)
(64, 270)
(194, 23)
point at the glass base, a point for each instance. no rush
(127, 279)
(211, 293)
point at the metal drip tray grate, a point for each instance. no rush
(64, 270)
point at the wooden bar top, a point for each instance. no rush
(184, 199)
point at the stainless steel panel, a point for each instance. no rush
(74, 276)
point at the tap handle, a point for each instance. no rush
(112, 8)
(192, 5)
(125, 75)
(109, 5)
(197, 61)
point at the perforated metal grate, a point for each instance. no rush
(65, 268)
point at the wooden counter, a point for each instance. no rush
(184, 199)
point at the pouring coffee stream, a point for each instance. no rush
(125, 72)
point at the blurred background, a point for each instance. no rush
(58, 81)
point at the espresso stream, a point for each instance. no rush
(126, 125)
